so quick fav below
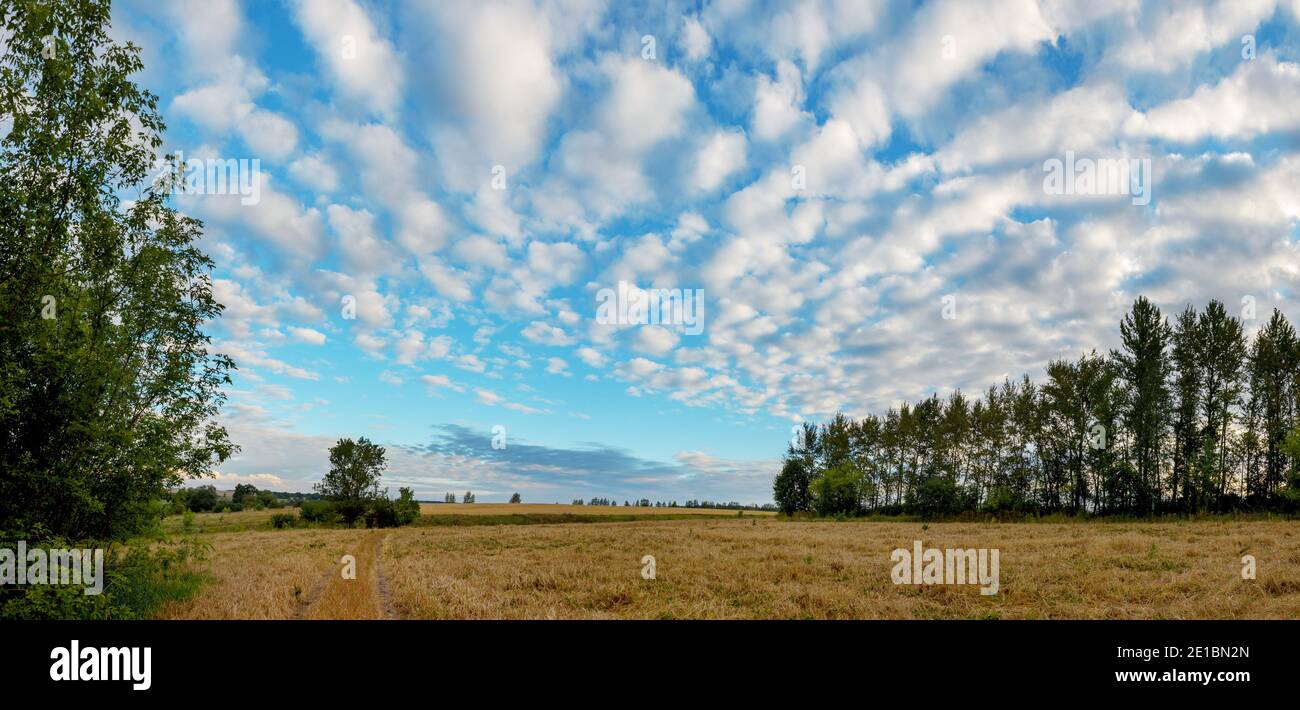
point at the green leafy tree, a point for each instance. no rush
(516, 498)
(406, 506)
(1145, 367)
(790, 490)
(202, 499)
(108, 389)
(353, 479)
(1223, 359)
(245, 495)
(1271, 367)
(838, 491)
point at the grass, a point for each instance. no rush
(273, 574)
(225, 522)
(753, 567)
(437, 514)
(499, 509)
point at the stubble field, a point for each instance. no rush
(749, 568)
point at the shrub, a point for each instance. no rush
(279, 521)
(351, 510)
(838, 492)
(381, 513)
(201, 499)
(407, 507)
(935, 497)
(137, 582)
(318, 511)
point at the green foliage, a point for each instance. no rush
(516, 498)
(202, 499)
(244, 496)
(838, 491)
(353, 479)
(385, 513)
(1184, 418)
(318, 511)
(790, 490)
(936, 497)
(280, 521)
(108, 388)
(138, 580)
(406, 506)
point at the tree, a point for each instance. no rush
(407, 507)
(1191, 417)
(1187, 395)
(108, 389)
(1145, 367)
(838, 491)
(1272, 360)
(1223, 358)
(353, 479)
(469, 497)
(516, 499)
(202, 499)
(245, 494)
(790, 489)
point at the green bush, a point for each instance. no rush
(279, 521)
(381, 513)
(407, 507)
(318, 511)
(137, 582)
(201, 499)
(838, 492)
(937, 497)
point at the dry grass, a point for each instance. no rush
(770, 569)
(268, 575)
(565, 509)
(353, 598)
(755, 568)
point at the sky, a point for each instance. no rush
(865, 202)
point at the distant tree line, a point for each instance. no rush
(646, 503)
(1187, 417)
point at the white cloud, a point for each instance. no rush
(308, 335)
(364, 65)
(1261, 96)
(721, 156)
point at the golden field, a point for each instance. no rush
(742, 568)
(565, 509)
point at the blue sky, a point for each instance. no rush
(828, 175)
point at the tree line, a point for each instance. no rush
(1185, 417)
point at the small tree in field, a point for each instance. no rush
(516, 499)
(469, 497)
(353, 478)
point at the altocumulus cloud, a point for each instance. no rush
(441, 202)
